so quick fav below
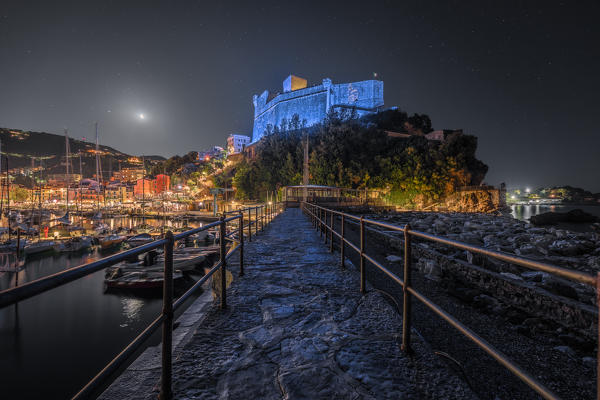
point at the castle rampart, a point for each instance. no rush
(312, 104)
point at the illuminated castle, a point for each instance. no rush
(312, 104)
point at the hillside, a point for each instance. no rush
(347, 152)
(24, 148)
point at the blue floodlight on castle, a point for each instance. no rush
(313, 103)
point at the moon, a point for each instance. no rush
(141, 116)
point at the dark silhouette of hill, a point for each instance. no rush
(25, 148)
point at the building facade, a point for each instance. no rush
(237, 143)
(312, 104)
(129, 174)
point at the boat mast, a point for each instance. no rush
(97, 170)
(68, 176)
(143, 191)
(80, 179)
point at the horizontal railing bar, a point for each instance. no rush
(41, 285)
(483, 344)
(118, 361)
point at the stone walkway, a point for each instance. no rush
(296, 327)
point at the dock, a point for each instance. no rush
(296, 327)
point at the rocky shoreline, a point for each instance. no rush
(546, 322)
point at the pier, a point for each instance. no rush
(296, 326)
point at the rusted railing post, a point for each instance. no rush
(223, 264)
(256, 220)
(166, 392)
(363, 272)
(343, 244)
(262, 218)
(320, 223)
(406, 306)
(249, 225)
(598, 344)
(325, 227)
(241, 230)
(331, 219)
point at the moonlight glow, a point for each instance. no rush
(141, 116)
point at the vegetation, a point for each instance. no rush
(347, 152)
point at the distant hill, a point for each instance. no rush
(25, 148)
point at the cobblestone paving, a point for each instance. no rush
(296, 327)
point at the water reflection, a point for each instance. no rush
(131, 310)
(525, 211)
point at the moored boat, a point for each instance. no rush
(39, 247)
(139, 239)
(111, 240)
(78, 243)
(138, 280)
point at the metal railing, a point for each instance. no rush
(323, 219)
(263, 214)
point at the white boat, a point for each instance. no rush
(39, 247)
(139, 239)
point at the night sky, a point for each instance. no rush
(524, 78)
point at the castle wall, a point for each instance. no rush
(313, 103)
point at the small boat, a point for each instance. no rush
(101, 227)
(39, 247)
(111, 240)
(137, 280)
(97, 216)
(139, 239)
(184, 262)
(65, 219)
(78, 243)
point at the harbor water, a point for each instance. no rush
(525, 211)
(51, 345)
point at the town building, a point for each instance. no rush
(150, 187)
(236, 143)
(312, 104)
(61, 179)
(129, 174)
(163, 183)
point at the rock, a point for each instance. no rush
(485, 301)
(510, 275)
(533, 276)
(566, 350)
(560, 288)
(394, 258)
(589, 361)
(440, 227)
(465, 294)
(576, 342)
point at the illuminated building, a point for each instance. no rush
(312, 104)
